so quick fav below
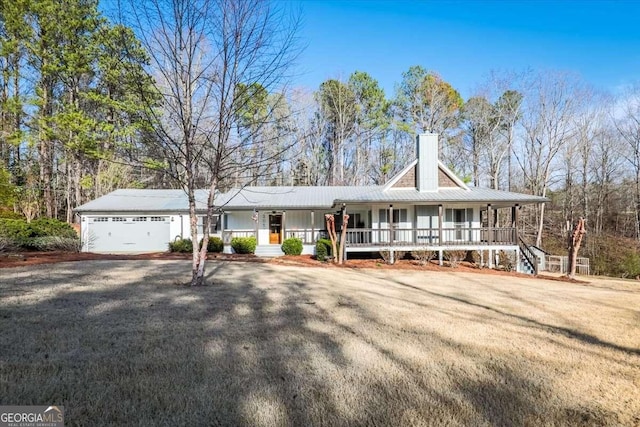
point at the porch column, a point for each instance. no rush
(256, 220)
(226, 240)
(514, 222)
(313, 227)
(440, 210)
(344, 245)
(390, 222)
(489, 224)
(283, 231)
(490, 234)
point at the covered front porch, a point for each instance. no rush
(372, 227)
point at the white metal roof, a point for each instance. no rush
(290, 197)
(136, 200)
(139, 200)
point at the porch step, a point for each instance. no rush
(525, 266)
(269, 251)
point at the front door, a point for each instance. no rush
(275, 229)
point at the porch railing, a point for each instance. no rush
(455, 236)
(227, 235)
(307, 235)
(431, 237)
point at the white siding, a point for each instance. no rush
(240, 220)
(297, 220)
(427, 168)
(427, 217)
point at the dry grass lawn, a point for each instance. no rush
(124, 343)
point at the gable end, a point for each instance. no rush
(445, 181)
(408, 180)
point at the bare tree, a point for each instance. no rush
(201, 52)
(605, 166)
(550, 104)
(338, 107)
(590, 124)
(627, 122)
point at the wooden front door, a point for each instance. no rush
(275, 229)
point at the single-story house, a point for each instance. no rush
(424, 207)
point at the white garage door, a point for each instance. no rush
(128, 234)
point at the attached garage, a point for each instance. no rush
(127, 233)
(136, 220)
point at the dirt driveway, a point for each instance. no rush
(124, 342)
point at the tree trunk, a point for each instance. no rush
(331, 229)
(198, 279)
(193, 225)
(46, 148)
(343, 236)
(574, 246)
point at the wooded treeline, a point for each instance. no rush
(81, 115)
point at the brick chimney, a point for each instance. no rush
(427, 168)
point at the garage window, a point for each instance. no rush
(157, 219)
(101, 219)
(118, 219)
(140, 219)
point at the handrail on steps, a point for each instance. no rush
(529, 255)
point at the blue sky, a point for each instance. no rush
(464, 40)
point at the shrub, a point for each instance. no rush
(215, 245)
(327, 244)
(7, 214)
(51, 227)
(423, 256)
(23, 234)
(507, 260)
(292, 246)
(244, 245)
(7, 245)
(16, 231)
(323, 249)
(321, 252)
(397, 255)
(56, 243)
(455, 257)
(630, 265)
(181, 245)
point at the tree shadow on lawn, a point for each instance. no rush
(257, 347)
(571, 333)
